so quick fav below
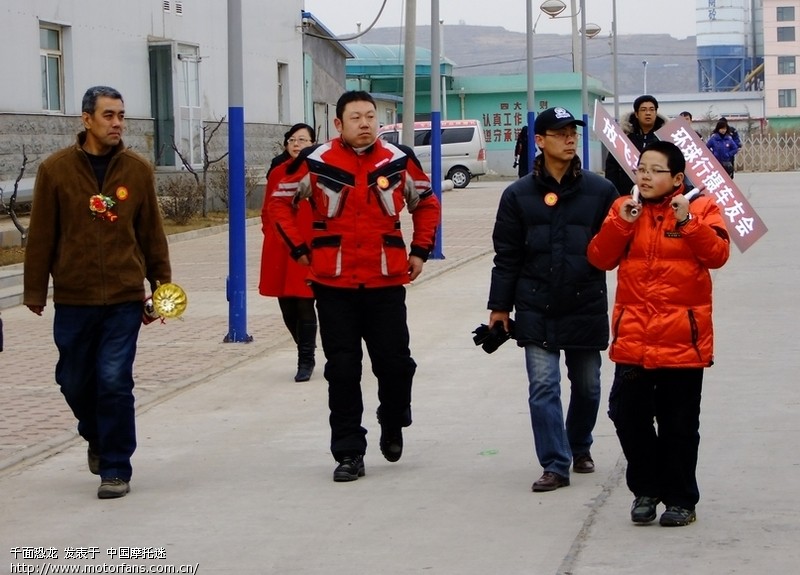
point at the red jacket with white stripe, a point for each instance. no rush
(356, 200)
(662, 310)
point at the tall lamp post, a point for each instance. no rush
(553, 8)
(531, 93)
(587, 31)
(644, 87)
(614, 61)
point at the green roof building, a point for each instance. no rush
(500, 103)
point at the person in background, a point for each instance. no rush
(723, 146)
(640, 127)
(358, 267)
(662, 338)
(521, 152)
(96, 228)
(281, 275)
(688, 117)
(734, 133)
(543, 227)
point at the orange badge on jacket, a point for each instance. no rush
(550, 198)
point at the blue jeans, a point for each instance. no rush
(97, 346)
(555, 443)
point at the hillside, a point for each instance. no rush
(491, 50)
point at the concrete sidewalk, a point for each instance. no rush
(233, 472)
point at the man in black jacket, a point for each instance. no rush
(544, 223)
(640, 128)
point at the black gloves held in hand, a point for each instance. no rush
(494, 337)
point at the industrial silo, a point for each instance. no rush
(729, 44)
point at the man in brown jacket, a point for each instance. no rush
(96, 228)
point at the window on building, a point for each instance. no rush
(785, 33)
(188, 96)
(786, 65)
(785, 13)
(283, 93)
(787, 98)
(161, 102)
(52, 65)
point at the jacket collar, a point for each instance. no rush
(541, 174)
(81, 139)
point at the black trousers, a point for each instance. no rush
(661, 461)
(378, 317)
(297, 310)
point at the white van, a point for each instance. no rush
(463, 149)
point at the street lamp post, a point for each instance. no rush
(553, 8)
(587, 31)
(614, 61)
(644, 87)
(584, 89)
(531, 93)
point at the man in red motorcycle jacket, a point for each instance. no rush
(358, 266)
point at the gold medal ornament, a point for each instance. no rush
(169, 300)
(383, 182)
(551, 199)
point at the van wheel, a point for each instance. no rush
(459, 176)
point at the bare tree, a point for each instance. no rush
(10, 209)
(201, 179)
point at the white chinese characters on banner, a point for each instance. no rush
(705, 172)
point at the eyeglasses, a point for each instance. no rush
(650, 172)
(298, 140)
(563, 135)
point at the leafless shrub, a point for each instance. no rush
(180, 198)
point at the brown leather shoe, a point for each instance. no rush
(549, 481)
(583, 463)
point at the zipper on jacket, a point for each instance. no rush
(694, 330)
(616, 326)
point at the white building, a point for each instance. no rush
(169, 59)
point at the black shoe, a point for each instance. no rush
(643, 509)
(392, 443)
(350, 468)
(676, 516)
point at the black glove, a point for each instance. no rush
(491, 339)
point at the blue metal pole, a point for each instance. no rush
(237, 281)
(436, 123)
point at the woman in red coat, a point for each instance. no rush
(281, 276)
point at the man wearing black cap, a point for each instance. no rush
(640, 127)
(544, 223)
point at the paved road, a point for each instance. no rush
(233, 472)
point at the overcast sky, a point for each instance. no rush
(674, 17)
